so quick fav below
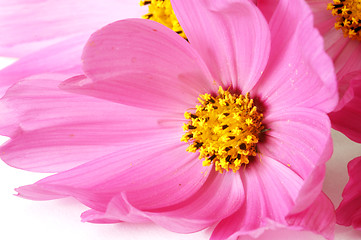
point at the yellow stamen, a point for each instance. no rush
(161, 11)
(224, 129)
(348, 19)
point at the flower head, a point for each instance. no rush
(340, 22)
(247, 96)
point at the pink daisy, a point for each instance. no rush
(247, 96)
(349, 211)
(339, 22)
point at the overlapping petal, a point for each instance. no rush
(298, 73)
(297, 138)
(234, 60)
(144, 64)
(143, 171)
(267, 199)
(44, 121)
(201, 210)
(60, 58)
(318, 218)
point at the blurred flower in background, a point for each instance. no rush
(339, 22)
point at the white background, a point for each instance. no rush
(60, 219)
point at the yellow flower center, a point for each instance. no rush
(224, 129)
(348, 14)
(161, 11)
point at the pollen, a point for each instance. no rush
(162, 12)
(225, 129)
(348, 13)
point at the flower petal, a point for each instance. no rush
(63, 57)
(143, 63)
(349, 211)
(347, 119)
(324, 21)
(271, 189)
(237, 54)
(219, 197)
(319, 217)
(144, 169)
(315, 154)
(349, 59)
(299, 72)
(25, 24)
(45, 121)
(297, 138)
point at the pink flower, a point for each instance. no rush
(49, 35)
(349, 211)
(113, 138)
(345, 53)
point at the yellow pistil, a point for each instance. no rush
(224, 129)
(348, 19)
(161, 11)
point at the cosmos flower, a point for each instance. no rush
(230, 128)
(348, 213)
(339, 22)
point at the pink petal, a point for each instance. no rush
(94, 216)
(349, 211)
(117, 209)
(347, 119)
(25, 23)
(349, 59)
(221, 193)
(70, 129)
(334, 43)
(37, 193)
(347, 88)
(323, 18)
(319, 217)
(299, 73)
(312, 186)
(159, 173)
(144, 64)
(63, 57)
(271, 189)
(297, 138)
(237, 54)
